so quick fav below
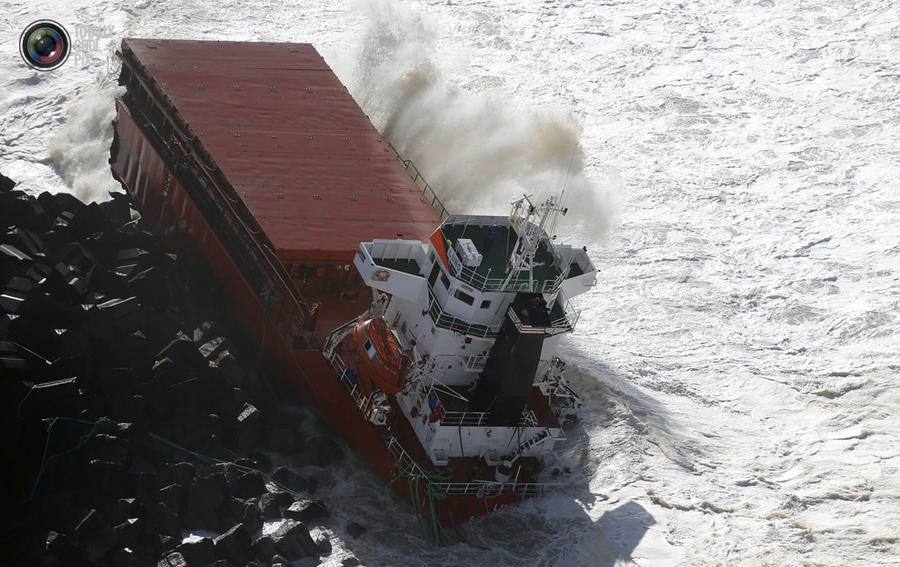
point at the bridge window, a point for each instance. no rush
(486, 303)
(464, 297)
(445, 280)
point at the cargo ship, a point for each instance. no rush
(428, 340)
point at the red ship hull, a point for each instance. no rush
(277, 317)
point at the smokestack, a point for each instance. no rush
(505, 384)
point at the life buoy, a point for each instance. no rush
(381, 275)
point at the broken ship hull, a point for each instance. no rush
(181, 190)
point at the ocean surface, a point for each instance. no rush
(734, 171)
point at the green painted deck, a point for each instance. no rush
(557, 313)
(408, 266)
(496, 251)
(575, 270)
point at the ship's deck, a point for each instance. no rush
(495, 243)
(296, 149)
(409, 266)
(461, 469)
(537, 404)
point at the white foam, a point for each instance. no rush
(740, 379)
(479, 149)
(80, 149)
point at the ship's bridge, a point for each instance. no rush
(468, 270)
(449, 294)
(511, 254)
(487, 257)
(494, 239)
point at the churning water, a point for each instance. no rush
(733, 169)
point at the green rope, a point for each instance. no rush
(434, 520)
(24, 398)
(432, 492)
(268, 478)
(423, 485)
(45, 460)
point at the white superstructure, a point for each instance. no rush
(449, 299)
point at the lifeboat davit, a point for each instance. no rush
(382, 363)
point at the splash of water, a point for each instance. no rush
(79, 151)
(478, 149)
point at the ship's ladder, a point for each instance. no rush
(529, 443)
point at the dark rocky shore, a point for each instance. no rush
(130, 415)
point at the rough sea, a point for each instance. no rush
(733, 168)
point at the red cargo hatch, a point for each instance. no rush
(293, 143)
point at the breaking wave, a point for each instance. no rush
(79, 151)
(479, 150)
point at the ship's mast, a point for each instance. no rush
(528, 234)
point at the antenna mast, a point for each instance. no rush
(528, 235)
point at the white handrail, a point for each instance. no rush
(447, 321)
(521, 282)
(479, 418)
(479, 488)
(428, 194)
(341, 370)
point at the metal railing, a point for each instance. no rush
(488, 489)
(475, 362)
(531, 442)
(446, 321)
(247, 238)
(471, 363)
(478, 488)
(428, 194)
(343, 374)
(479, 418)
(521, 283)
(560, 279)
(465, 418)
(404, 460)
(568, 319)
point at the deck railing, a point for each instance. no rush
(447, 321)
(475, 362)
(464, 418)
(404, 460)
(478, 488)
(479, 418)
(488, 489)
(343, 373)
(428, 194)
(567, 320)
(522, 282)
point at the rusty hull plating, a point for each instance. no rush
(256, 158)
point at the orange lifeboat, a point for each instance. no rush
(382, 364)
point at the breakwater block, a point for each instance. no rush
(292, 540)
(6, 183)
(121, 380)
